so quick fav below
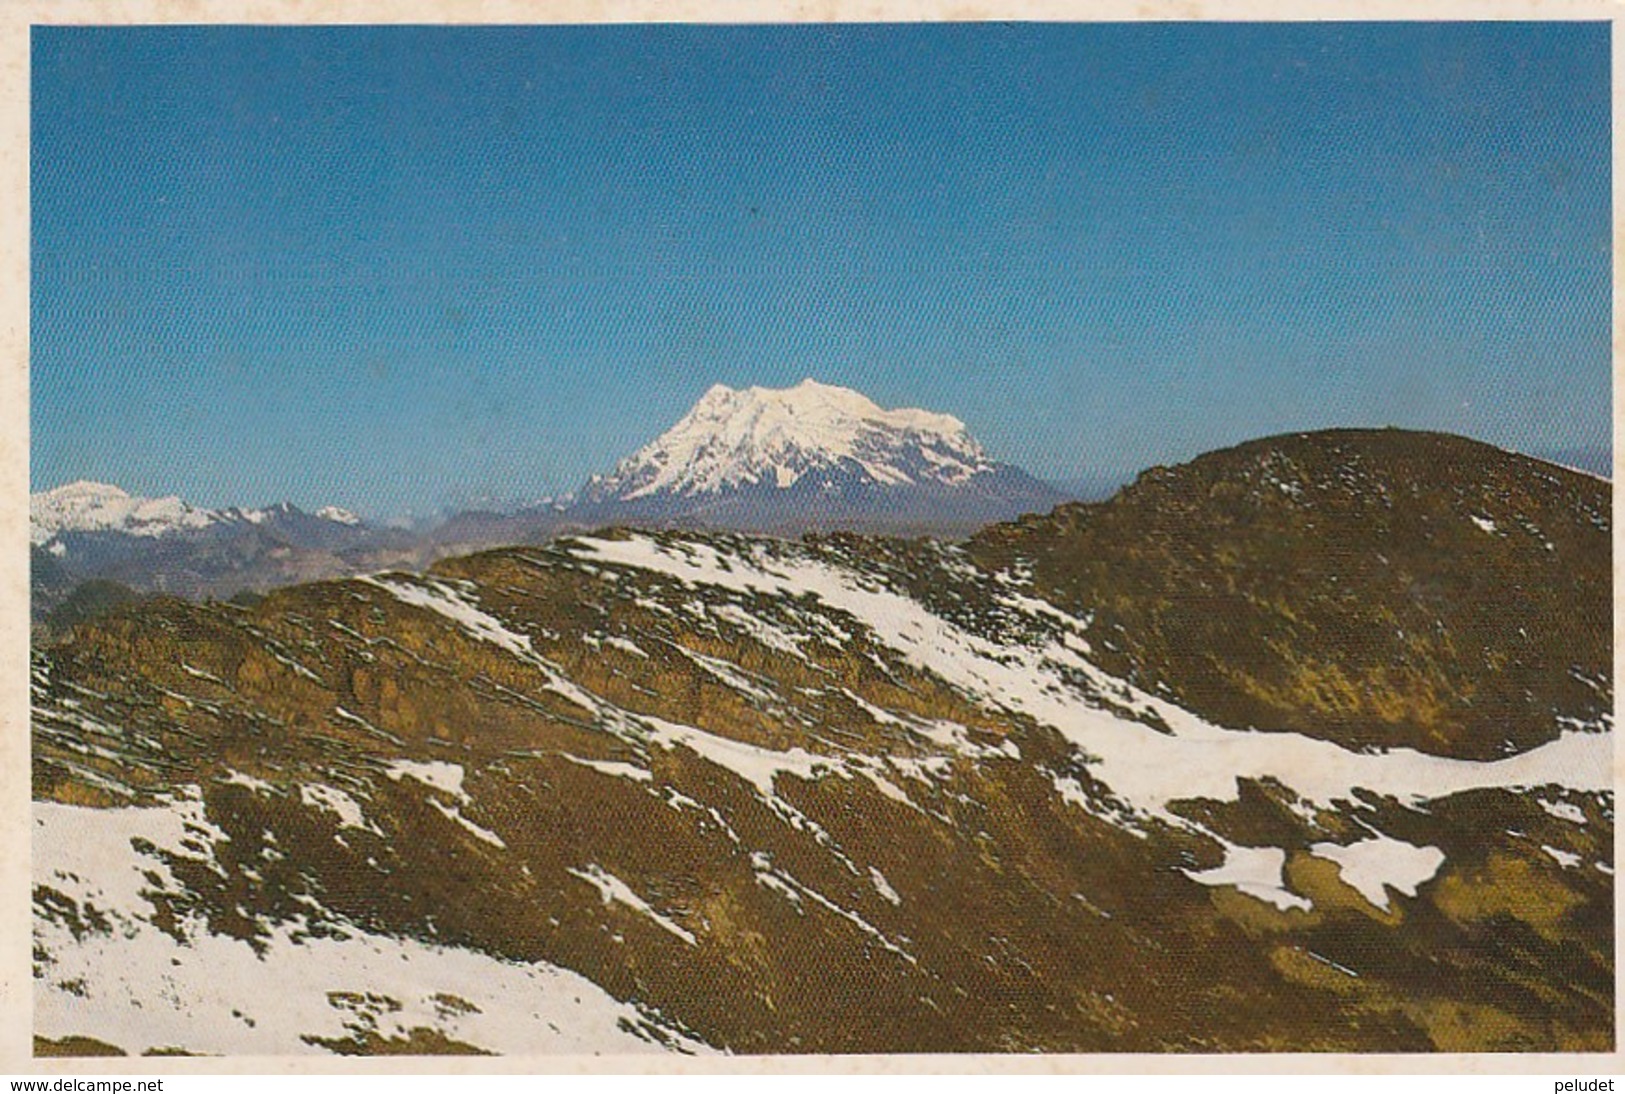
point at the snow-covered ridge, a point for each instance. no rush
(773, 437)
(99, 507)
(1144, 767)
(96, 507)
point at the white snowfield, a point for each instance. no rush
(138, 987)
(98, 507)
(1145, 769)
(1373, 865)
(766, 436)
(1256, 871)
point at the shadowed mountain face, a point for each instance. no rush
(698, 791)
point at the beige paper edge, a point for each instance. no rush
(16, 16)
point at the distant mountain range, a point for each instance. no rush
(93, 507)
(93, 531)
(810, 458)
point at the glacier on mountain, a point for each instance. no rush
(775, 437)
(98, 507)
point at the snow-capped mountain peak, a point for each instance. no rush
(771, 438)
(99, 507)
(95, 507)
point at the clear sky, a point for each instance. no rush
(404, 268)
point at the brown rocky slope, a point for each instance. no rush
(708, 792)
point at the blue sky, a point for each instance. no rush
(404, 268)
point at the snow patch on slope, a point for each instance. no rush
(439, 774)
(139, 987)
(1374, 865)
(337, 802)
(1145, 768)
(1256, 871)
(613, 890)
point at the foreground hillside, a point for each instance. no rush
(714, 793)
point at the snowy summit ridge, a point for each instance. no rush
(773, 438)
(99, 507)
